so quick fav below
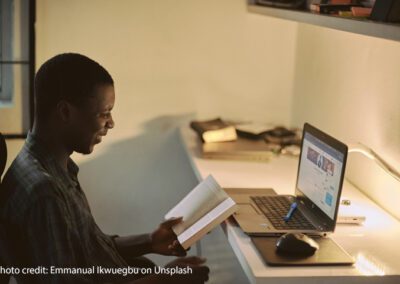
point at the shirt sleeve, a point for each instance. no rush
(133, 246)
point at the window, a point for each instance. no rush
(16, 65)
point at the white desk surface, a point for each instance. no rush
(375, 245)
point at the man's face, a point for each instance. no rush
(91, 120)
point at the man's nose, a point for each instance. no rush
(110, 123)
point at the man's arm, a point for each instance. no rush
(132, 246)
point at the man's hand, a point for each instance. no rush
(164, 241)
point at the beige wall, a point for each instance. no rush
(206, 58)
(349, 85)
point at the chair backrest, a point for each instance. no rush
(4, 279)
(3, 154)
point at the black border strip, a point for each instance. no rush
(32, 58)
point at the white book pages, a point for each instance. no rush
(203, 198)
(207, 222)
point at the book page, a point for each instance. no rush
(214, 216)
(203, 198)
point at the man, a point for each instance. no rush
(45, 216)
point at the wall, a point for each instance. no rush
(205, 57)
(348, 85)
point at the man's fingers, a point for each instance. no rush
(201, 273)
(171, 222)
(176, 245)
(177, 252)
(177, 249)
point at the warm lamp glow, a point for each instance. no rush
(367, 266)
(369, 153)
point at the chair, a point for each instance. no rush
(3, 154)
(4, 279)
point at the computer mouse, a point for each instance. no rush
(296, 244)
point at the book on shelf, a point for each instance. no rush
(270, 133)
(293, 4)
(361, 12)
(331, 8)
(214, 130)
(241, 149)
(339, 2)
(202, 209)
(283, 136)
(253, 130)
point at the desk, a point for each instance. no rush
(375, 245)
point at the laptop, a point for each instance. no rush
(320, 174)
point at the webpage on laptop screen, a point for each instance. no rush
(320, 173)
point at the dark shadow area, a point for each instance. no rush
(136, 181)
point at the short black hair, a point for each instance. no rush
(69, 76)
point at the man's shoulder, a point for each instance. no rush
(26, 181)
(26, 171)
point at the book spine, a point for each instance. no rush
(331, 8)
(361, 11)
(249, 135)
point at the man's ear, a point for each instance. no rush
(64, 111)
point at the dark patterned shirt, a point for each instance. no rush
(47, 221)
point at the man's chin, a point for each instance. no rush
(85, 151)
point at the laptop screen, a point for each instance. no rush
(320, 173)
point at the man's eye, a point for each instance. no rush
(105, 115)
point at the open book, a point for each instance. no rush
(205, 207)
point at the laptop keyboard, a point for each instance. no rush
(276, 207)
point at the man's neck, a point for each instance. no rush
(53, 142)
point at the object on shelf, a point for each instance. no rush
(215, 130)
(368, 3)
(331, 8)
(386, 11)
(346, 14)
(340, 2)
(288, 4)
(350, 213)
(361, 11)
(275, 141)
(282, 136)
(367, 27)
(241, 149)
(253, 130)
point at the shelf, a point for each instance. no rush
(364, 27)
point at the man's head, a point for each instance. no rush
(76, 95)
